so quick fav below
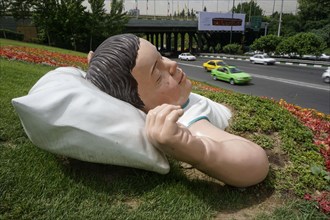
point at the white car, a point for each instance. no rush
(323, 56)
(262, 58)
(326, 76)
(187, 56)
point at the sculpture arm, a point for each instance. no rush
(224, 156)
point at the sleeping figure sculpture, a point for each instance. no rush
(183, 125)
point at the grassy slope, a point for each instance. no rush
(35, 184)
(4, 42)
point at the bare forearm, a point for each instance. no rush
(239, 161)
(185, 147)
(229, 158)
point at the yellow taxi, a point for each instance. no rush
(214, 64)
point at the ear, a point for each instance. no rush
(89, 56)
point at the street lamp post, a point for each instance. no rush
(232, 17)
(280, 21)
(266, 27)
(154, 9)
(172, 10)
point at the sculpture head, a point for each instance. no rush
(111, 65)
(131, 69)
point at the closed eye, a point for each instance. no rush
(159, 78)
(155, 64)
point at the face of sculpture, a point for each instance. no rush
(159, 78)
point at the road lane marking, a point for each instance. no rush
(293, 82)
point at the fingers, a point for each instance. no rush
(162, 113)
(89, 56)
(161, 123)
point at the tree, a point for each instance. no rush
(286, 47)
(302, 44)
(182, 13)
(4, 7)
(97, 19)
(21, 9)
(250, 8)
(45, 18)
(62, 21)
(324, 33)
(289, 27)
(308, 43)
(313, 14)
(266, 43)
(116, 20)
(72, 17)
(192, 13)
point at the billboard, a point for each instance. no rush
(256, 22)
(213, 21)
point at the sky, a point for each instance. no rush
(168, 7)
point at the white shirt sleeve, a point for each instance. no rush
(199, 107)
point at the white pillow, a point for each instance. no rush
(67, 115)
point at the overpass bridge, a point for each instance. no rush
(169, 35)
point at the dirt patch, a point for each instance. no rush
(267, 206)
(132, 203)
(194, 174)
(277, 158)
(263, 202)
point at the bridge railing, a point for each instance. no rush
(158, 17)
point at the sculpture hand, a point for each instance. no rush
(175, 140)
(161, 124)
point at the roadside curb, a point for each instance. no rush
(278, 62)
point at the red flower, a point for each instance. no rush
(307, 196)
(323, 200)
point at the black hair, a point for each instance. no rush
(111, 66)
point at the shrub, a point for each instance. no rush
(233, 49)
(218, 48)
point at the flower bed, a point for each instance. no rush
(40, 56)
(319, 123)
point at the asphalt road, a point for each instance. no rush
(299, 85)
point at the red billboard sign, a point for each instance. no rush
(211, 21)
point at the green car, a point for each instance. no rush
(231, 74)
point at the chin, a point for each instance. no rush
(188, 85)
(184, 98)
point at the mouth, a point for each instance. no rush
(181, 78)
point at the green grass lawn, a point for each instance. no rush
(35, 184)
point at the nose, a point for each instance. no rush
(172, 66)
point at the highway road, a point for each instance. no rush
(299, 85)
